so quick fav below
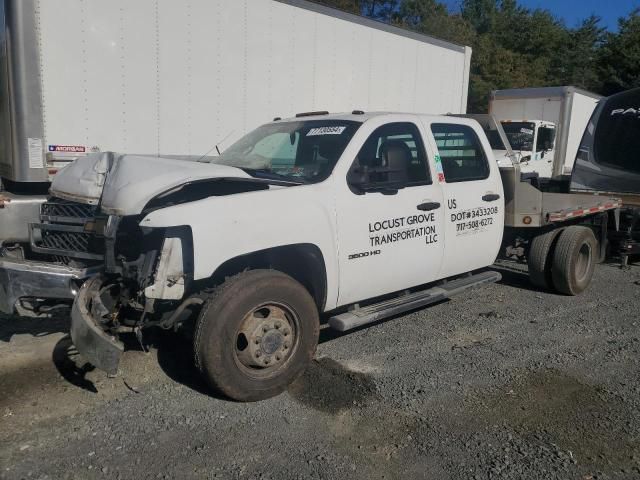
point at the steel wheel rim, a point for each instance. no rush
(266, 340)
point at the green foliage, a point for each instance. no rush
(620, 56)
(515, 47)
(432, 18)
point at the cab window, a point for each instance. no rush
(463, 158)
(393, 155)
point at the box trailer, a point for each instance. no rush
(176, 78)
(187, 78)
(544, 125)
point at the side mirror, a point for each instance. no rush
(363, 180)
(358, 177)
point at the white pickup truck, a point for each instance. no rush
(357, 216)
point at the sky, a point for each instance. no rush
(573, 11)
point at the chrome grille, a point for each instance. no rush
(61, 231)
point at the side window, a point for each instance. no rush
(462, 155)
(393, 155)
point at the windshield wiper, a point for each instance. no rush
(265, 174)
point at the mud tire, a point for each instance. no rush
(574, 260)
(223, 315)
(540, 259)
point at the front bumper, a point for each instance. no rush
(100, 348)
(25, 278)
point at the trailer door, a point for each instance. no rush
(474, 199)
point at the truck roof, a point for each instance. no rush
(315, 6)
(362, 117)
(540, 92)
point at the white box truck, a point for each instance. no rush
(170, 78)
(544, 126)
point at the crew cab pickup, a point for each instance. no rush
(352, 218)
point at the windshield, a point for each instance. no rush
(520, 134)
(299, 152)
(494, 139)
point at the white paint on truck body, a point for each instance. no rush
(372, 243)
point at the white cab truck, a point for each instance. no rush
(351, 218)
(166, 77)
(544, 127)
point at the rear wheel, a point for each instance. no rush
(574, 260)
(256, 333)
(540, 259)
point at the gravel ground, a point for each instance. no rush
(505, 383)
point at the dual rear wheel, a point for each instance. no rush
(564, 259)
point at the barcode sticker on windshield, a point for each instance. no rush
(326, 131)
(527, 131)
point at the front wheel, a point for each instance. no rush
(255, 334)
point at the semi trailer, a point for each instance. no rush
(165, 78)
(181, 79)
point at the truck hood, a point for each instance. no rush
(124, 184)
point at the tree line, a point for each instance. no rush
(515, 47)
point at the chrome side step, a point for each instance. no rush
(379, 311)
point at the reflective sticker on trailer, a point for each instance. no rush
(68, 148)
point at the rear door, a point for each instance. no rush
(473, 195)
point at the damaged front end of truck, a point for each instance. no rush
(144, 282)
(146, 273)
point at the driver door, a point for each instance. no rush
(390, 216)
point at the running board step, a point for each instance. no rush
(379, 311)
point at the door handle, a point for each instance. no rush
(491, 197)
(428, 206)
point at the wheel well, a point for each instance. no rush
(303, 262)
